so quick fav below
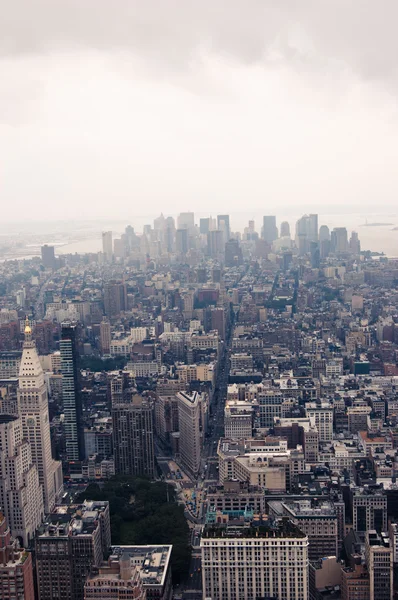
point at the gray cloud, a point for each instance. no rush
(360, 34)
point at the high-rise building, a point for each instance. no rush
(16, 571)
(182, 241)
(105, 336)
(313, 228)
(189, 423)
(324, 241)
(215, 246)
(115, 298)
(270, 230)
(233, 254)
(72, 542)
(223, 225)
(33, 409)
(315, 255)
(71, 393)
(379, 560)
(21, 496)
(285, 229)
(254, 560)
(107, 245)
(48, 257)
(133, 437)
(339, 240)
(204, 225)
(186, 220)
(355, 244)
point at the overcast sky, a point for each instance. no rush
(116, 108)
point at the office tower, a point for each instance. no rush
(379, 560)
(339, 240)
(115, 298)
(107, 245)
(105, 336)
(315, 255)
(233, 254)
(313, 228)
(204, 225)
(133, 572)
(182, 241)
(186, 220)
(223, 225)
(254, 560)
(169, 234)
(324, 241)
(355, 244)
(270, 230)
(21, 496)
(16, 570)
(71, 393)
(119, 247)
(71, 543)
(369, 509)
(33, 410)
(133, 437)
(287, 259)
(189, 423)
(43, 335)
(48, 257)
(218, 321)
(324, 233)
(215, 246)
(285, 229)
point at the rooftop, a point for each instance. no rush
(260, 527)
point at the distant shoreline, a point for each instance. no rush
(376, 224)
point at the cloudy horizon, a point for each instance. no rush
(110, 110)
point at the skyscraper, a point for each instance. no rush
(105, 336)
(189, 422)
(69, 546)
(48, 257)
(182, 241)
(133, 437)
(71, 393)
(186, 220)
(285, 229)
(270, 230)
(204, 225)
(223, 225)
(339, 240)
(21, 495)
(115, 298)
(33, 409)
(233, 254)
(107, 246)
(215, 248)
